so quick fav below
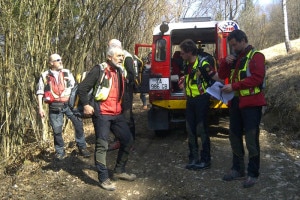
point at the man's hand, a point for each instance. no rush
(181, 82)
(227, 88)
(42, 112)
(40, 103)
(88, 110)
(230, 59)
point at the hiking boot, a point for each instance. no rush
(59, 156)
(233, 175)
(124, 176)
(114, 145)
(201, 165)
(191, 164)
(249, 182)
(84, 152)
(108, 185)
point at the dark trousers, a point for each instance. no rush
(128, 115)
(127, 108)
(103, 124)
(245, 121)
(196, 124)
(143, 99)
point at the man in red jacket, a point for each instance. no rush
(246, 71)
(107, 115)
(127, 101)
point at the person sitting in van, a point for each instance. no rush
(177, 70)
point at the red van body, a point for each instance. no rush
(168, 101)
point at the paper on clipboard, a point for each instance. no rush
(215, 91)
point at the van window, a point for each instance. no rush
(160, 53)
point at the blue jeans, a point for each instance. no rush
(103, 124)
(196, 125)
(56, 118)
(245, 121)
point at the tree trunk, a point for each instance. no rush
(286, 28)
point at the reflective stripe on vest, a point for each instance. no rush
(245, 72)
(192, 83)
(203, 82)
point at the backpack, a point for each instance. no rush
(210, 59)
(212, 62)
(74, 101)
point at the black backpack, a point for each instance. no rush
(74, 101)
(212, 62)
(138, 69)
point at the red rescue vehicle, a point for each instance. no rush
(167, 100)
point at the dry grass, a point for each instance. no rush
(279, 50)
(282, 92)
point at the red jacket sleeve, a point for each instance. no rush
(224, 69)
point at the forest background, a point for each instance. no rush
(79, 30)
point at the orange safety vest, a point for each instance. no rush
(56, 90)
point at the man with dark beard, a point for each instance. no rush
(107, 116)
(246, 73)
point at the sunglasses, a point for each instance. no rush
(57, 60)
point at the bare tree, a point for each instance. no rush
(286, 28)
(217, 9)
(293, 10)
(78, 30)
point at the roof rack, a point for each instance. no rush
(195, 19)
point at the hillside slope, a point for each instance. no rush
(282, 91)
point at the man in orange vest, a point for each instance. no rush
(54, 88)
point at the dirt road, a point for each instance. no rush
(159, 165)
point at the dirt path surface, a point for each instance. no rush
(159, 165)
